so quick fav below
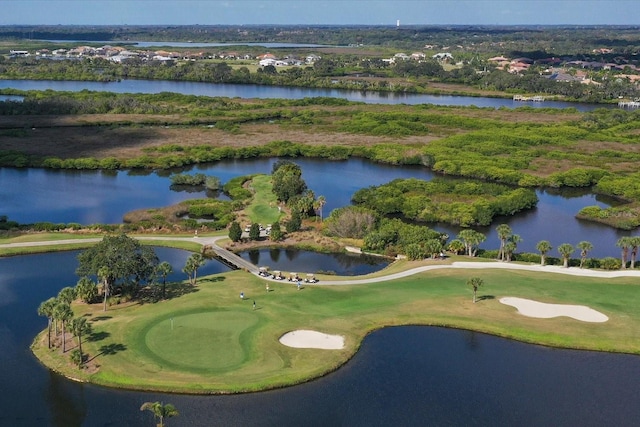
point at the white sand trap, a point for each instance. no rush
(531, 308)
(312, 339)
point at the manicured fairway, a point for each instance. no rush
(207, 341)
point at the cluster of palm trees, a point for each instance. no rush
(61, 320)
(469, 240)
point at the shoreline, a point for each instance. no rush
(495, 328)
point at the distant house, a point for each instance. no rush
(443, 56)
(267, 61)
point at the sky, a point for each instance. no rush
(326, 12)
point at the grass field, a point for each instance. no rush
(208, 340)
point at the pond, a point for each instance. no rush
(89, 197)
(410, 376)
(306, 262)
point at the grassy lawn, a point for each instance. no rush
(263, 208)
(208, 340)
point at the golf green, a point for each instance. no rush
(214, 341)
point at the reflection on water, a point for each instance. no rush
(300, 261)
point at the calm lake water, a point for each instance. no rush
(410, 376)
(88, 197)
(256, 91)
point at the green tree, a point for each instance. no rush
(163, 270)
(456, 246)
(544, 247)
(294, 223)
(276, 232)
(624, 243)
(67, 294)
(565, 251)
(121, 258)
(254, 232)
(319, 203)
(86, 289)
(511, 246)
(193, 263)
(471, 239)
(47, 309)
(504, 231)
(287, 181)
(79, 327)
(475, 283)
(235, 232)
(634, 242)
(584, 247)
(63, 313)
(160, 411)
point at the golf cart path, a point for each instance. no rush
(242, 263)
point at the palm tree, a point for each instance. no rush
(164, 269)
(511, 246)
(86, 289)
(46, 309)
(103, 274)
(504, 231)
(543, 247)
(320, 202)
(456, 246)
(67, 294)
(584, 247)
(475, 283)
(194, 262)
(471, 239)
(624, 243)
(160, 410)
(635, 242)
(63, 313)
(566, 250)
(80, 327)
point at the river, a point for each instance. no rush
(89, 197)
(256, 91)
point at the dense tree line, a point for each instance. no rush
(463, 203)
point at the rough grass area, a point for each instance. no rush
(219, 344)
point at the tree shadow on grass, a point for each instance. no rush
(213, 279)
(99, 318)
(98, 336)
(111, 349)
(484, 297)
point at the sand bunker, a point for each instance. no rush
(312, 339)
(531, 308)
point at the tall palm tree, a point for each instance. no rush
(67, 294)
(160, 410)
(79, 327)
(504, 231)
(320, 202)
(86, 289)
(584, 247)
(544, 247)
(164, 269)
(63, 313)
(46, 309)
(624, 243)
(475, 283)
(634, 242)
(194, 262)
(471, 239)
(104, 273)
(511, 246)
(565, 251)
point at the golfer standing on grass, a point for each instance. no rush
(254, 305)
